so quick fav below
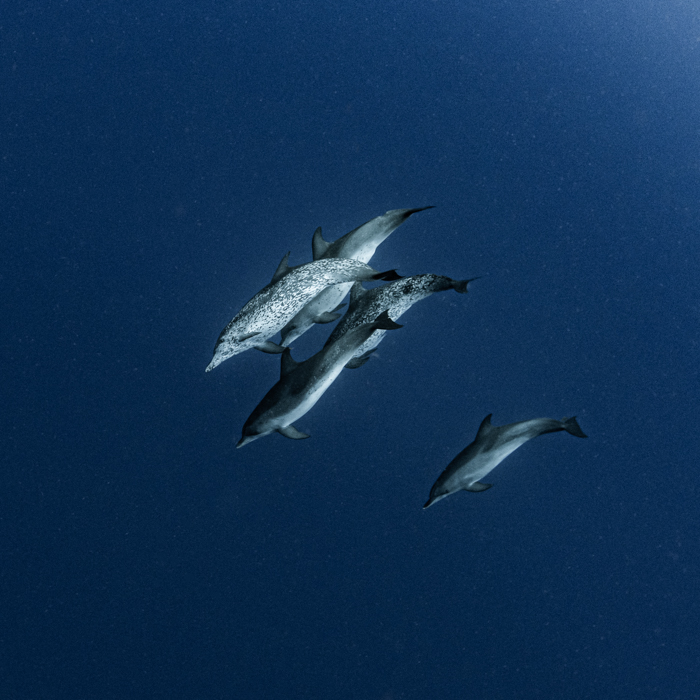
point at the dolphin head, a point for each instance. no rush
(437, 493)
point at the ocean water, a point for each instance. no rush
(158, 160)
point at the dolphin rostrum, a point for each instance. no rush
(360, 244)
(291, 287)
(491, 446)
(302, 384)
(396, 298)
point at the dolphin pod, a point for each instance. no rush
(312, 293)
(360, 244)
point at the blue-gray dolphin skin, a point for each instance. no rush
(396, 298)
(273, 306)
(360, 244)
(302, 384)
(491, 446)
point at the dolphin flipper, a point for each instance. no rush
(327, 317)
(292, 433)
(361, 360)
(269, 347)
(478, 486)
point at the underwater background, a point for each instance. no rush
(159, 159)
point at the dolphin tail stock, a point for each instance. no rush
(384, 323)
(571, 426)
(462, 286)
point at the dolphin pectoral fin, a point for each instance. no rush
(340, 306)
(478, 486)
(247, 336)
(327, 317)
(292, 433)
(356, 362)
(269, 347)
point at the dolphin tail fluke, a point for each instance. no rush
(388, 276)
(572, 426)
(409, 212)
(361, 360)
(461, 286)
(384, 323)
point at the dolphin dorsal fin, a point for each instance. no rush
(282, 269)
(318, 245)
(485, 428)
(288, 363)
(356, 293)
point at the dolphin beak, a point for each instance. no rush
(246, 439)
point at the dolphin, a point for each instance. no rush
(291, 287)
(302, 384)
(491, 446)
(396, 298)
(360, 244)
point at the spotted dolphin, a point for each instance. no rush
(490, 447)
(360, 244)
(396, 298)
(291, 287)
(302, 384)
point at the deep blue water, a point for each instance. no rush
(157, 162)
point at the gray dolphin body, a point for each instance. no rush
(274, 305)
(302, 384)
(491, 446)
(396, 298)
(360, 244)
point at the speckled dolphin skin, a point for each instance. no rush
(360, 244)
(490, 447)
(302, 384)
(272, 307)
(396, 298)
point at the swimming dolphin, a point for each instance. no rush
(360, 244)
(491, 446)
(302, 384)
(291, 287)
(396, 298)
